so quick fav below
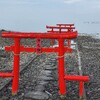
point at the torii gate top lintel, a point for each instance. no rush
(46, 35)
(65, 25)
(60, 27)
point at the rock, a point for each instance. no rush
(46, 73)
(37, 95)
(42, 82)
(4, 98)
(53, 59)
(50, 68)
(45, 78)
(40, 88)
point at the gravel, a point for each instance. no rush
(91, 65)
(41, 77)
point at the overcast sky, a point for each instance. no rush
(34, 15)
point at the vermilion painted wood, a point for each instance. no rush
(81, 88)
(58, 31)
(59, 27)
(76, 78)
(70, 35)
(16, 51)
(61, 69)
(30, 49)
(70, 29)
(65, 25)
(6, 74)
(38, 46)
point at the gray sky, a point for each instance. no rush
(34, 15)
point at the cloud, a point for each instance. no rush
(71, 1)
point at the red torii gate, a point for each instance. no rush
(70, 29)
(60, 27)
(17, 48)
